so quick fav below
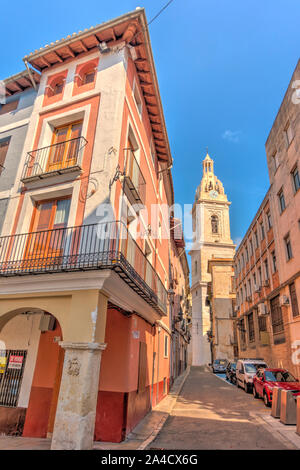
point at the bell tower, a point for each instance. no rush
(212, 260)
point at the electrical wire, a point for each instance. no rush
(151, 21)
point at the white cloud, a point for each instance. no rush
(231, 136)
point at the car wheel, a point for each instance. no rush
(266, 400)
(246, 387)
(255, 394)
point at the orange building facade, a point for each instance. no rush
(85, 247)
(267, 260)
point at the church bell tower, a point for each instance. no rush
(212, 260)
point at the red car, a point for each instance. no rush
(266, 379)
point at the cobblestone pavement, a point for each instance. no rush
(213, 414)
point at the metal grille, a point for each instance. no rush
(12, 363)
(276, 315)
(262, 323)
(294, 301)
(251, 327)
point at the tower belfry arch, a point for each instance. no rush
(212, 269)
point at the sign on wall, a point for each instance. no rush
(15, 362)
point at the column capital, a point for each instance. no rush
(84, 346)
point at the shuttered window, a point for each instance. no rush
(276, 315)
(294, 301)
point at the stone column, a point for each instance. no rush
(76, 409)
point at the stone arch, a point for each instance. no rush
(12, 307)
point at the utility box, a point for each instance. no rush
(288, 410)
(276, 402)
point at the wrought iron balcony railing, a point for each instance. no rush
(86, 247)
(134, 181)
(54, 159)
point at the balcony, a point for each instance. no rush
(87, 247)
(63, 157)
(134, 181)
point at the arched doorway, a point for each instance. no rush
(31, 367)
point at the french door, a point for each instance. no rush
(47, 236)
(65, 147)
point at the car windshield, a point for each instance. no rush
(221, 362)
(279, 376)
(233, 366)
(249, 368)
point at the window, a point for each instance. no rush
(274, 261)
(288, 134)
(137, 99)
(8, 107)
(249, 285)
(65, 150)
(266, 269)
(58, 88)
(260, 276)
(294, 301)
(281, 200)
(251, 327)
(196, 267)
(275, 160)
(262, 230)
(166, 346)
(3, 151)
(247, 254)
(262, 323)
(254, 279)
(214, 224)
(251, 247)
(296, 179)
(276, 315)
(89, 76)
(269, 220)
(288, 247)
(256, 239)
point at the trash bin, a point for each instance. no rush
(288, 410)
(276, 402)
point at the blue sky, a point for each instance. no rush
(223, 68)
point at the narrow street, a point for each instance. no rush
(213, 414)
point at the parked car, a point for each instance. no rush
(246, 370)
(230, 372)
(266, 379)
(219, 366)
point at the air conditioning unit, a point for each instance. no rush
(47, 323)
(262, 309)
(284, 300)
(266, 283)
(257, 288)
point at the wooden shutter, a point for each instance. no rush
(294, 301)
(142, 367)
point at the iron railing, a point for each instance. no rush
(134, 180)
(96, 246)
(56, 158)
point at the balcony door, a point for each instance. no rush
(65, 146)
(47, 236)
